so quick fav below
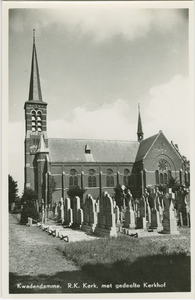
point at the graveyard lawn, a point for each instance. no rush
(126, 264)
(106, 265)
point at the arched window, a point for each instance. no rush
(126, 177)
(161, 178)
(73, 179)
(92, 178)
(157, 176)
(165, 178)
(33, 119)
(110, 178)
(39, 119)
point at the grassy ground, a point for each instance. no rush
(160, 259)
(115, 265)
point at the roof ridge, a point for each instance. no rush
(155, 137)
(83, 139)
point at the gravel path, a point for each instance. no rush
(36, 266)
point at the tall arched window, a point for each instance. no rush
(33, 119)
(126, 177)
(165, 178)
(157, 176)
(161, 178)
(39, 121)
(110, 178)
(92, 178)
(73, 179)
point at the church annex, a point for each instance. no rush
(95, 165)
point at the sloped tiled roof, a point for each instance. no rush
(145, 146)
(73, 150)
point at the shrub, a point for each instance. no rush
(29, 211)
(28, 195)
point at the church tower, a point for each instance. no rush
(35, 123)
(140, 134)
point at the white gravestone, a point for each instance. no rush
(68, 214)
(106, 218)
(129, 214)
(89, 214)
(155, 214)
(169, 221)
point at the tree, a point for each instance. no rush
(76, 191)
(173, 183)
(29, 211)
(13, 190)
(28, 199)
(119, 194)
(52, 187)
(29, 195)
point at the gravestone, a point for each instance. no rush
(169, 221)
(117, 215)
(155, 214)
(68, 214)
(59, 211)
(42, 212)
(50, 212)
(106, 218)
(183, 205)
(89, 215)
(30, 221)
(129, 214)
(141, 215)
(77, 212)
(56, 211)
(148, 209)
(62, 210)
(45, 215)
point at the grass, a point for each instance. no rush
(124, 259)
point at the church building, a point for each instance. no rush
(94, 165)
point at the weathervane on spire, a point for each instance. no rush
(33, 36)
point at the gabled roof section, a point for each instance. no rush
(145, 146)
(35, 86)
(73, 150)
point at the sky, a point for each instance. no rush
(97, 61)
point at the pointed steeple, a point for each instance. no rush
(35, 86)
(140, 134)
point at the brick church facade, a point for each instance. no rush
(95, 165)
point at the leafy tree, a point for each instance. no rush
(29, 195)
(173, 183)
(29, 211)
(52, 187)
(13, 190)
(119, 193)
(76, 191)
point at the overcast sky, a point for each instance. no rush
(97, 61)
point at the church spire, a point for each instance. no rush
(140, 134)
(35, 86)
